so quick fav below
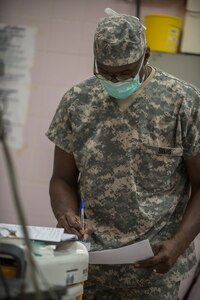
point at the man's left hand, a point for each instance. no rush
(166, 254)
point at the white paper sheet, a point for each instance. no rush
(124, 255)
(68, 237)
(40, 233)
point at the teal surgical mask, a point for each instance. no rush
(123, 89)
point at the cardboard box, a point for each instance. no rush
(190, 41)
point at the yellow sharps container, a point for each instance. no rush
(163, 32)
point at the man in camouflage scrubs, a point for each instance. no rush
(135, 161)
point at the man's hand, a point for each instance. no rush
(166, 254)
(72, 224)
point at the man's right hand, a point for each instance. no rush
(72, 224)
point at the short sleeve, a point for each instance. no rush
(60, 131)
(190, 122)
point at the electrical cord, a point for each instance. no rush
(12, 177)
(11, 172)
(5, 284)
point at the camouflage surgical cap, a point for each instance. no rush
(119, 40)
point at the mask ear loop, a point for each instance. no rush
(143, 77)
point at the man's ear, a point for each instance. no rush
(147, 55)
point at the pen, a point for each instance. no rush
(82, 212)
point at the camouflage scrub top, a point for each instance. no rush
(131, 158)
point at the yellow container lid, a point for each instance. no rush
(165, 18)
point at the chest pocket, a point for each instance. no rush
(158, 168)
